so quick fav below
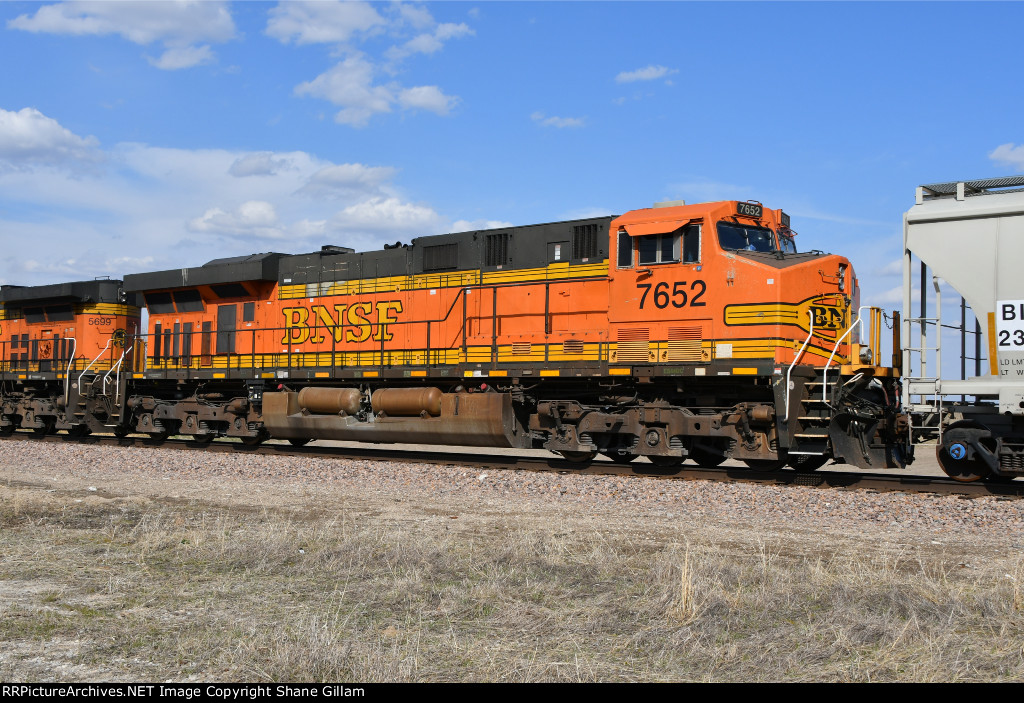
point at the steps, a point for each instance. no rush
(810, 437)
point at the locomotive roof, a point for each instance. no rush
(96, 291)
(254, 267)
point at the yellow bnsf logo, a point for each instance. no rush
(347, 322)
(830, 314)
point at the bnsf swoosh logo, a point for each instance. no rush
(831, 314)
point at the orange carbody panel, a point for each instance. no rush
(725, 306)
(36, 347)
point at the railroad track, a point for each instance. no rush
(688, 472)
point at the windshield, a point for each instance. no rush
(745, 238)
(788, 245)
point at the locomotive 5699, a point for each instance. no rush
(674, 332)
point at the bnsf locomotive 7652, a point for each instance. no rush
(674, 332)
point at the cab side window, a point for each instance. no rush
(691, 244)
(658, 248)
(625, 258)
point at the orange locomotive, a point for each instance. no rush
(672, 332)
(55, 342)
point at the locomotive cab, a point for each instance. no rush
(724, 281)
(55, 342)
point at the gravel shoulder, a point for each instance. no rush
(326, 484)
(126, 563)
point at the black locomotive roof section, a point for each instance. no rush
(255, 267)
(329, 265)
(103, 291)
(530, 246)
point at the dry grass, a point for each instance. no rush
(140, 590)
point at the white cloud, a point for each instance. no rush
(417, 17)
(350, 85)
(1009, 155)
(140, 207)
(179, 26)
(386, 214)
(183, 57)
(347, 179)
(559, 122)
(474, 225)
(28, 137)
(891, 296)
(353, 83)
(429, 43)
(427, 97)
(893, 268)
(648, 73)
(321, 22)
(261, 163)
(254, 218)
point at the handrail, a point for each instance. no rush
(824, 373)
(67, 374)
(86, 370)
(810, 314)
(117, 378)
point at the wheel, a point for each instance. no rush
(623, 457)
(79, 431)
(255, 441)
(765, 464)
(706, 459)
(202, 438)
(953, 454)
(7, 430)
(122, 431)
(666, 462)
(806, 463)
(579, 457)
(46, 429)
(299, 441)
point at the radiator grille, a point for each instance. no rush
(634, 344)
(684, 344)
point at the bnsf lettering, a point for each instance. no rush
(348, 323)
(827, 318)
(101, 321)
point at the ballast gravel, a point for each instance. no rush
(314, 483)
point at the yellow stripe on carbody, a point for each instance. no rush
(427, 281)
(742, 350)
(107, 309)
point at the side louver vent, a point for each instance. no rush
(684, 344)
(634, 344)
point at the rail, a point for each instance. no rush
(67, 374)
(789, 371)
(824, 372)
(117, 378)
(91, 363)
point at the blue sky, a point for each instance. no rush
(145, 136)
